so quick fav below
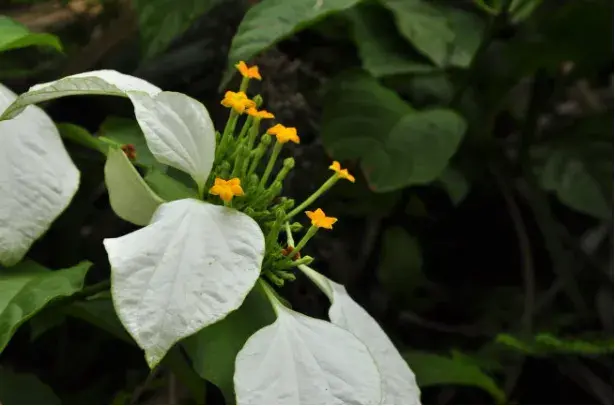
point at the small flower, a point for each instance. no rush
(238, 101)
(259, 114)
(276, 129)
(320, 219)
(342, 173)
(130, 151)
(248, 72)
(287, 134)
(226, 189)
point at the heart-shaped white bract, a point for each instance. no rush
(178, 131)
(189, 268)
(398, 381)
(300, 360)
(37, 178)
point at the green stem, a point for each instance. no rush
(309, 234)
(325, 186)
(246, 126)
(274, 156)
(227, 134)
(244, 84)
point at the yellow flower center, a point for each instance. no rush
(342, 173)
(226, 189)
(320, 219)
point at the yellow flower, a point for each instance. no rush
(251, 72)
(259, 114)
(286, 134)
(238, 101)
(342, 173)
(276, 129)
(319, 219)
(226, 189)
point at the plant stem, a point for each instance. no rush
(309, 234)
(277, 147)
(325, 186)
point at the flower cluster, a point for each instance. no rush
(242, 178)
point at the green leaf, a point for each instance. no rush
(579, 173)
(130, 197)
(546, 344)
(161, 21)
(520, 10)
(396, 145)
(14, 35)
(213, 350)
(100, 313)
(383, 51)
(455, 184)
(400, 269)
(270, 21)
(433, 370)
(167, 187)
(27, 287)
(127, 131)
(25, 389)
(81, 136)
(447, 36)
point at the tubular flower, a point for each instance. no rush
(287, 134)
(238, 101)
(320, 219)
(342, 173)
(226, 189)
(252, 111)
(248, 72)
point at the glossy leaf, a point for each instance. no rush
(161, 21)
(214, 349)
(398, 381)
(432, 370)
(26, 288)
(383, 51)
(130, 197)
(301, 360)
(25, 389)
(14, 35)
(37, 179)
(101, 82)
(178, 131)
(447, 36)
(396, 145)
(270, 21)
(194, 264)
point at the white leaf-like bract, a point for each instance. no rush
(178, 131)
(101, 82)
(398, 381)
(189, 268)
(37, 178)
(300, 360)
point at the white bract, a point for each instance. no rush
(37, 178)
(301, 360)
(398, 381)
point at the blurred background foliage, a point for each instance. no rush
(479, 232)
